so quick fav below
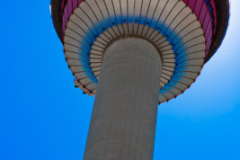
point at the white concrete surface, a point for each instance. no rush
(125, 109)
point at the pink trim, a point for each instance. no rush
(209, 41)
(210, 34)
(213, 4)
(192, 3)
(209, 29)
(206, 22)
(75, 4)
(67, 11)
(201, 10)
(69, 7)
(203, 13)
(64, 20)
(198, 7)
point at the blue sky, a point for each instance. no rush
(42, 115)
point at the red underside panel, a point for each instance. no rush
(75, 4)
(206, 22)
(67, 10)
(201, 10)
(69, 6)
(203, 13)
(192, 3)
(198, 7)
(213, 4)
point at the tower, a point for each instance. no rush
(134, 54)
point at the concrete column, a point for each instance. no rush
(125, 110)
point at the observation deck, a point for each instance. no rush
(186, 33)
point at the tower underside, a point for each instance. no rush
(134, 54)
(181, 33)
(125, 109)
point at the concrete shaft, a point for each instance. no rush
(125, 109)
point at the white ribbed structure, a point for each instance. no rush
(169, 24)
(125, 110)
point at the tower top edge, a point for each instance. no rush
(223, 13)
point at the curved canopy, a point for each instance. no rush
(185, 32)
(222, 11)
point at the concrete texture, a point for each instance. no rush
(125, 109)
